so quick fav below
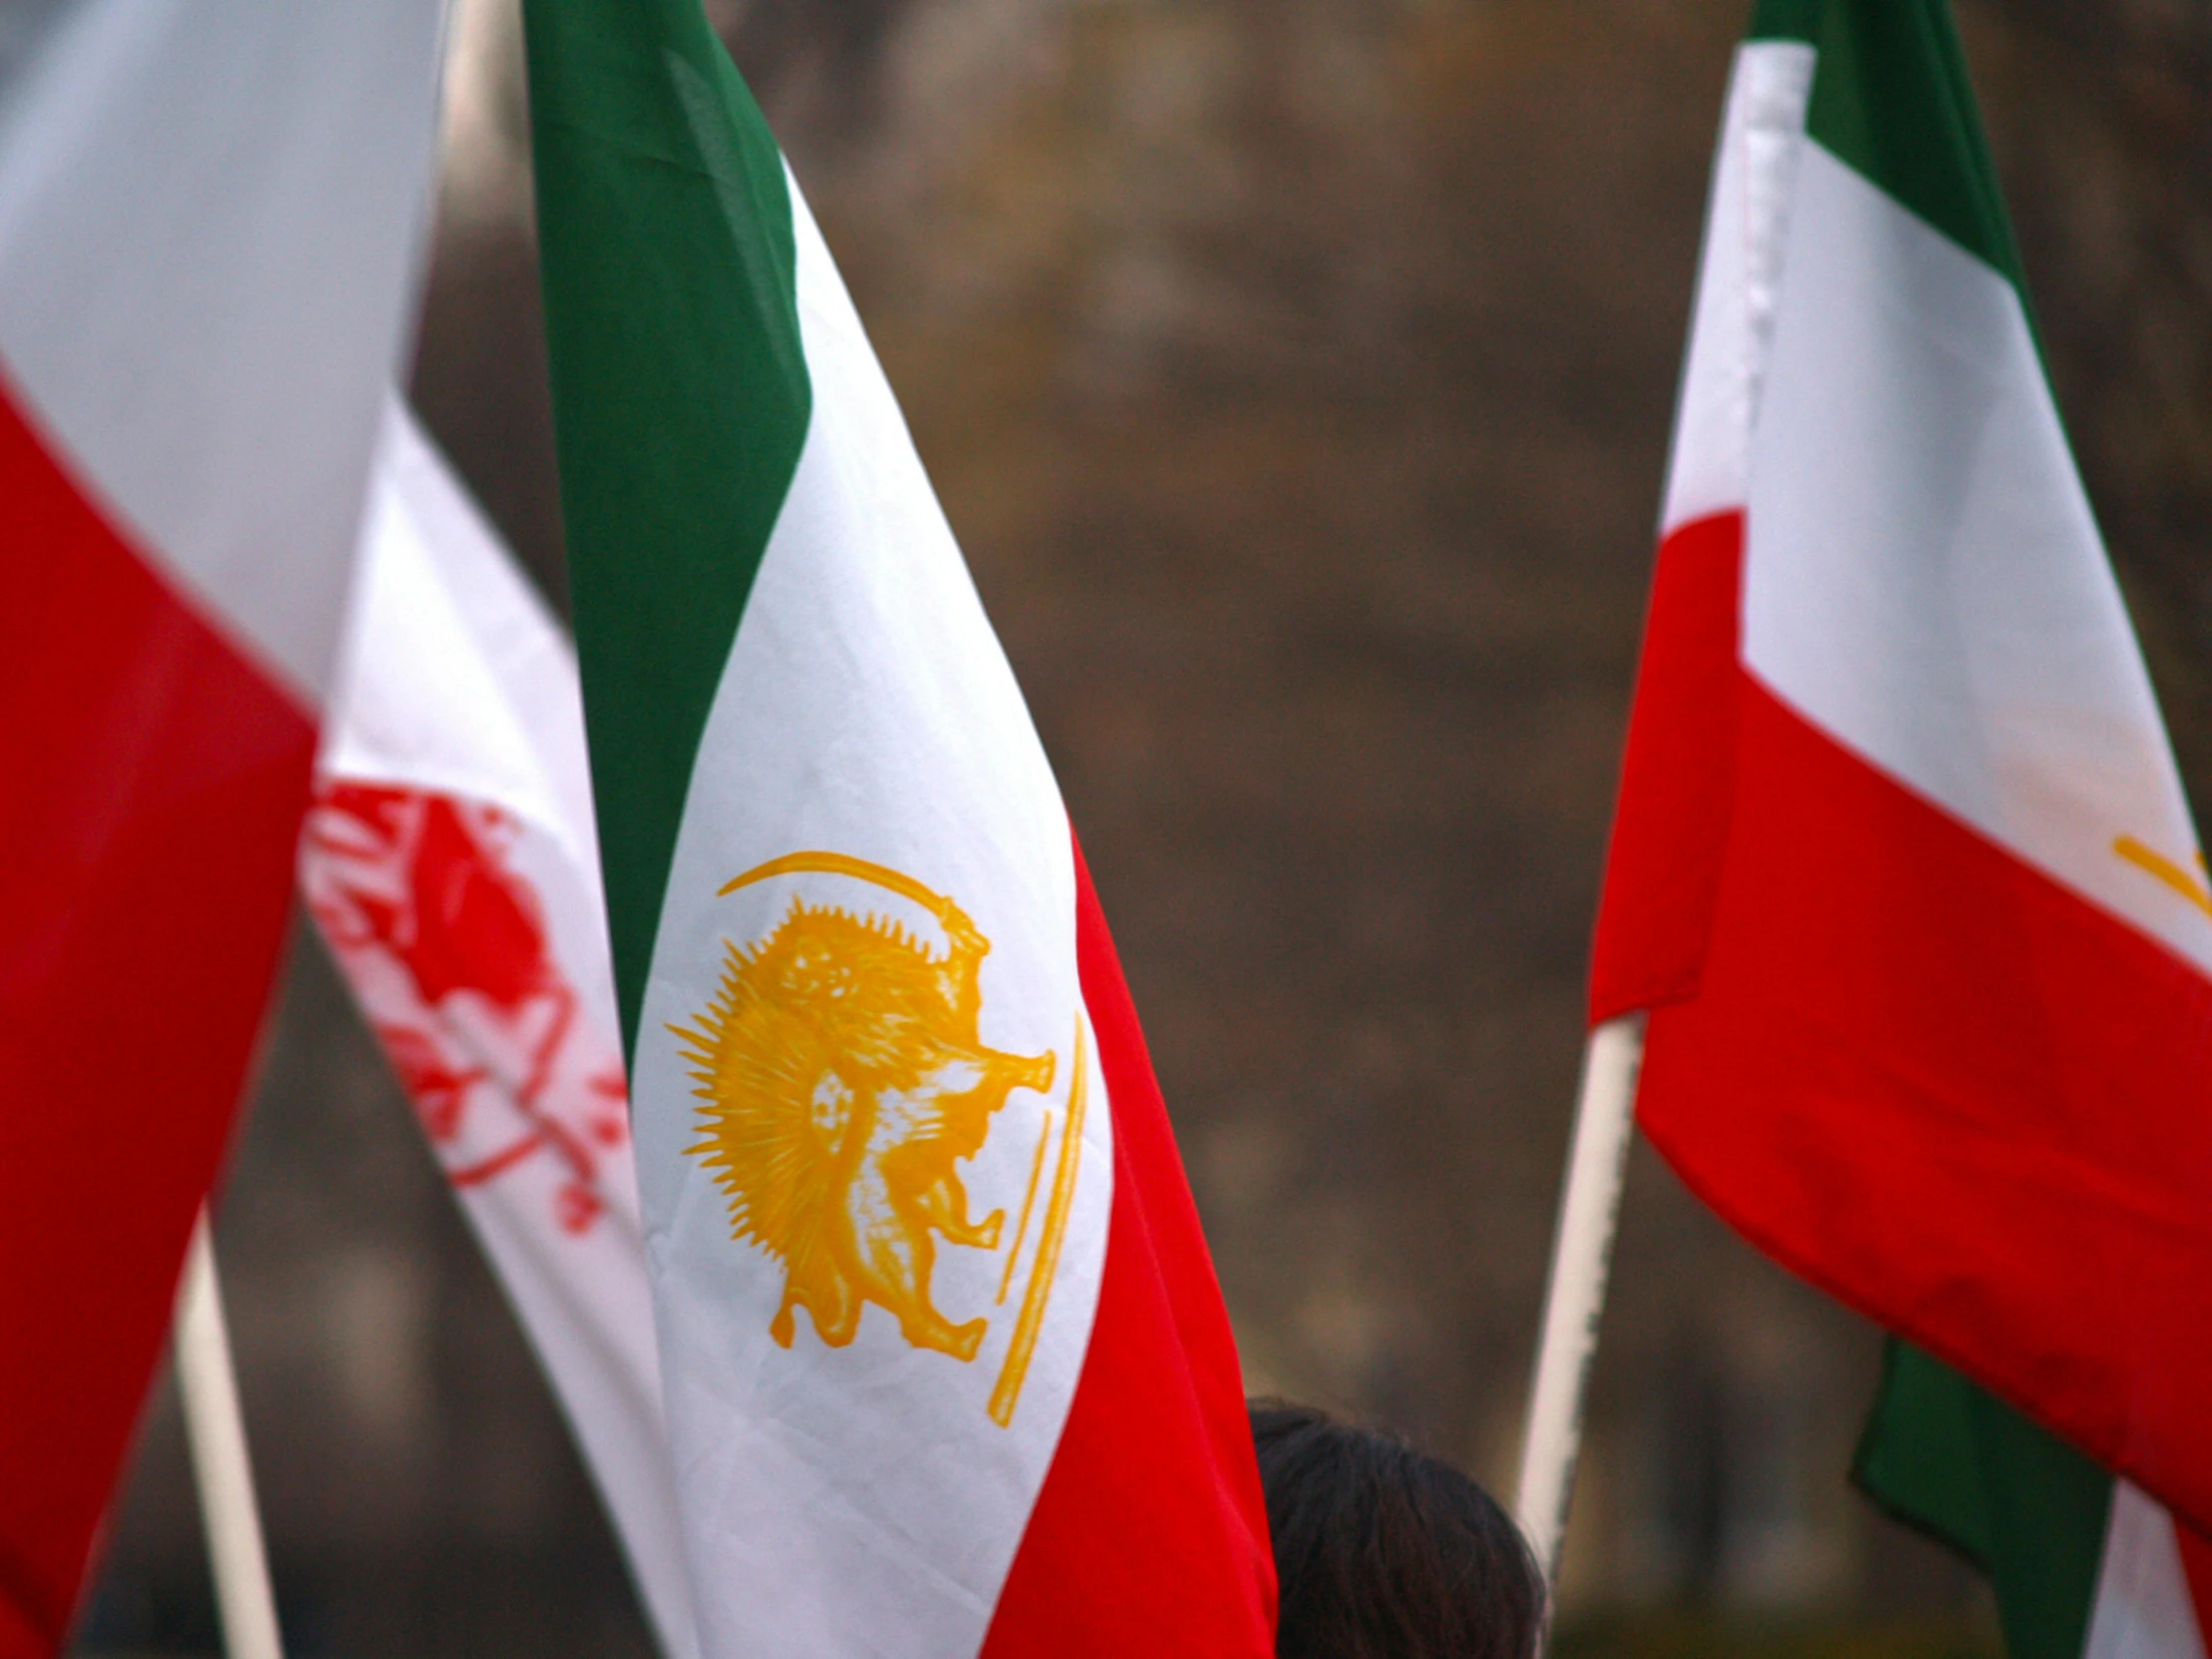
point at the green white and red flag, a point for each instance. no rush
(1903, 871)
(946, 1368)
(209, 221)
(451, 862)
(2085, 1565)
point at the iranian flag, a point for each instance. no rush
(451, 862)
(1903, 871)
(946, 1368)
(209, 221)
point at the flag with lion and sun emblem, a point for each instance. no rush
(946, 1368)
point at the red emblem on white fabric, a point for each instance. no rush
(446, 944)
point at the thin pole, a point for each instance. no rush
(1574, 1301)
(217, 1433)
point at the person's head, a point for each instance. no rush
(1381, 1552)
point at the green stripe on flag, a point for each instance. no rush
(679, 397)
(1952, 1460)
(1892, 99)
(1785, 20)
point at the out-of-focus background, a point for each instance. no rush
(1298, 375)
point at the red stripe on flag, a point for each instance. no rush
(154, 788)
(1956, 1096)
(1150, 1534)
(1663, 869)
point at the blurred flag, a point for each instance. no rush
(451, 862)
(210, 216)
(2084, 1566)
(1903, 868)
(946, 1368)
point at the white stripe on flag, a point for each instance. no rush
(1924, 581)
(210, 212)
(450, 862)
(2144, 1609)
(1739, 281)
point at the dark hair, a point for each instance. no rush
(1384, 1552)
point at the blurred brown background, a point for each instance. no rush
(1297, 374)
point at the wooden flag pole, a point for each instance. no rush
(1574, 1301)
(217, 1433)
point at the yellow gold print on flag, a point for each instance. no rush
(2162, 868)
(1008, 1390)
(843, 1080)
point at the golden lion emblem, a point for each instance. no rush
(843, 1080)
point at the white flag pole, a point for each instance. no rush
(217, 1433)
(1574, 1301)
